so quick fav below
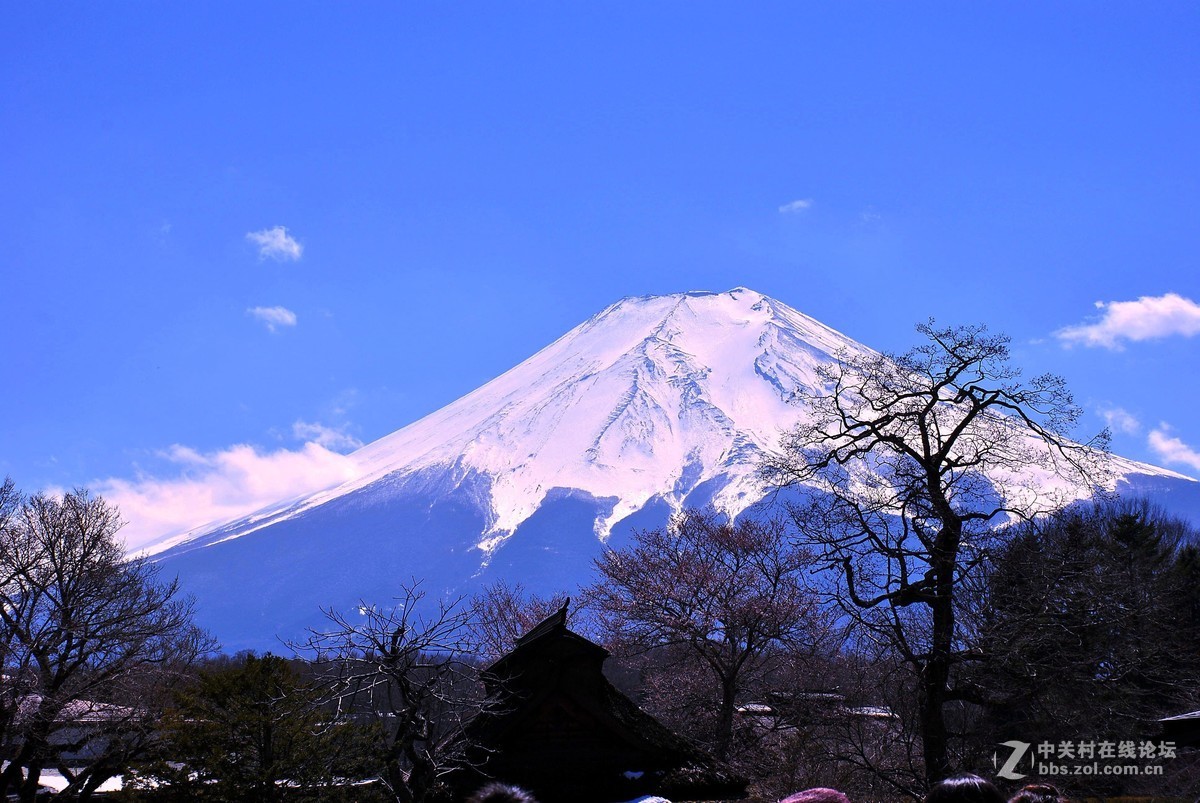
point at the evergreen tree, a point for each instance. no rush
(1088, 629)
(252, 733)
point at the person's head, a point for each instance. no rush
(818, 795)
(501, 793)
(1037, 793)
(964, 789)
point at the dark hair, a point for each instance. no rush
(501, 793)
(1037, 793)
(964, 789)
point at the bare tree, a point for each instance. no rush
(83, 633)
(842, 719)
(407, 665)
(502, 613)
(911, 462)
(729, 595)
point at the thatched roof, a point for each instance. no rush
(558, 727)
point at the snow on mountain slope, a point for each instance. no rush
(650, 398)
(647, 400)
(654, 403)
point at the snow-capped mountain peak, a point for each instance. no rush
(651, 398)
(653, 404)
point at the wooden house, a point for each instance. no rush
(557, 727)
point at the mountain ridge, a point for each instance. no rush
(653, 404)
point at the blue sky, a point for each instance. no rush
(239, 238)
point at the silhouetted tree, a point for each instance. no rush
(85, 635)
(410, 666)
(1088, 627)
(909, 462)
(502, 613)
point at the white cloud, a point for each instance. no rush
(277, 244)
(1147, 318)
(1171, 449)
(1120, 420)
(274, 317)
(332, 438)
(801, 205)
(210, 488)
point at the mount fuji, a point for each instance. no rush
(655, 404)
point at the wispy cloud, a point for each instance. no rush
(210, 488)
(1148, 318)
(277, 244)
(1171, 449)
(1120, 420)
(333, 438)
(797, 206)
(274, 317)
